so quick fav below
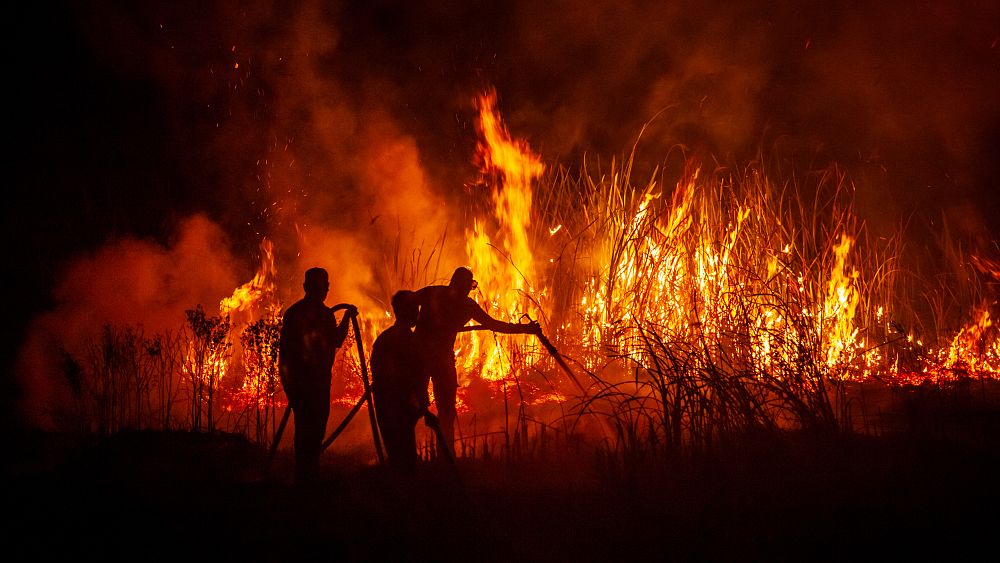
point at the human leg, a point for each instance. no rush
(395, 426)
(444, 380)
(311, 414)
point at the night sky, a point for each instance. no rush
(160, 141)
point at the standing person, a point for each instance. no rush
(310, 337)
(399, 388)
(444, 310)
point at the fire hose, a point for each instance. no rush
(368, 390)
(366, 397)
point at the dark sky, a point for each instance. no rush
(132, 117)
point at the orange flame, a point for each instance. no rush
(840, 305)
(973, 351)
(260, 289)
(504, 262)
(710, 268)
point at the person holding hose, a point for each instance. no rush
(443, 311)
(308, 342)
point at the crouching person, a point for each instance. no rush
(398, 386)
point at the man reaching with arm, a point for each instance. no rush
(444, 310)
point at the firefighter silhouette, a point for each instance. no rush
(398, 387)
(444, 310)
(310, 337)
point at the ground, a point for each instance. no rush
(780, 497)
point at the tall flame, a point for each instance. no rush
(257, 337)
(841, 303)
(500, 252)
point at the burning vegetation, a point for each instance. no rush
(759, 240)
(724, 302)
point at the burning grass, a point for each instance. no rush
(692, 306)
(756, 384)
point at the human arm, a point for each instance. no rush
(341, 329)
(488, 322)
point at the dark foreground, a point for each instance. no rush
(187, 497)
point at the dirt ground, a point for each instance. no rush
(177, 496)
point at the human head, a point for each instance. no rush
(404, 306)
(316, 283)
(462, 281)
